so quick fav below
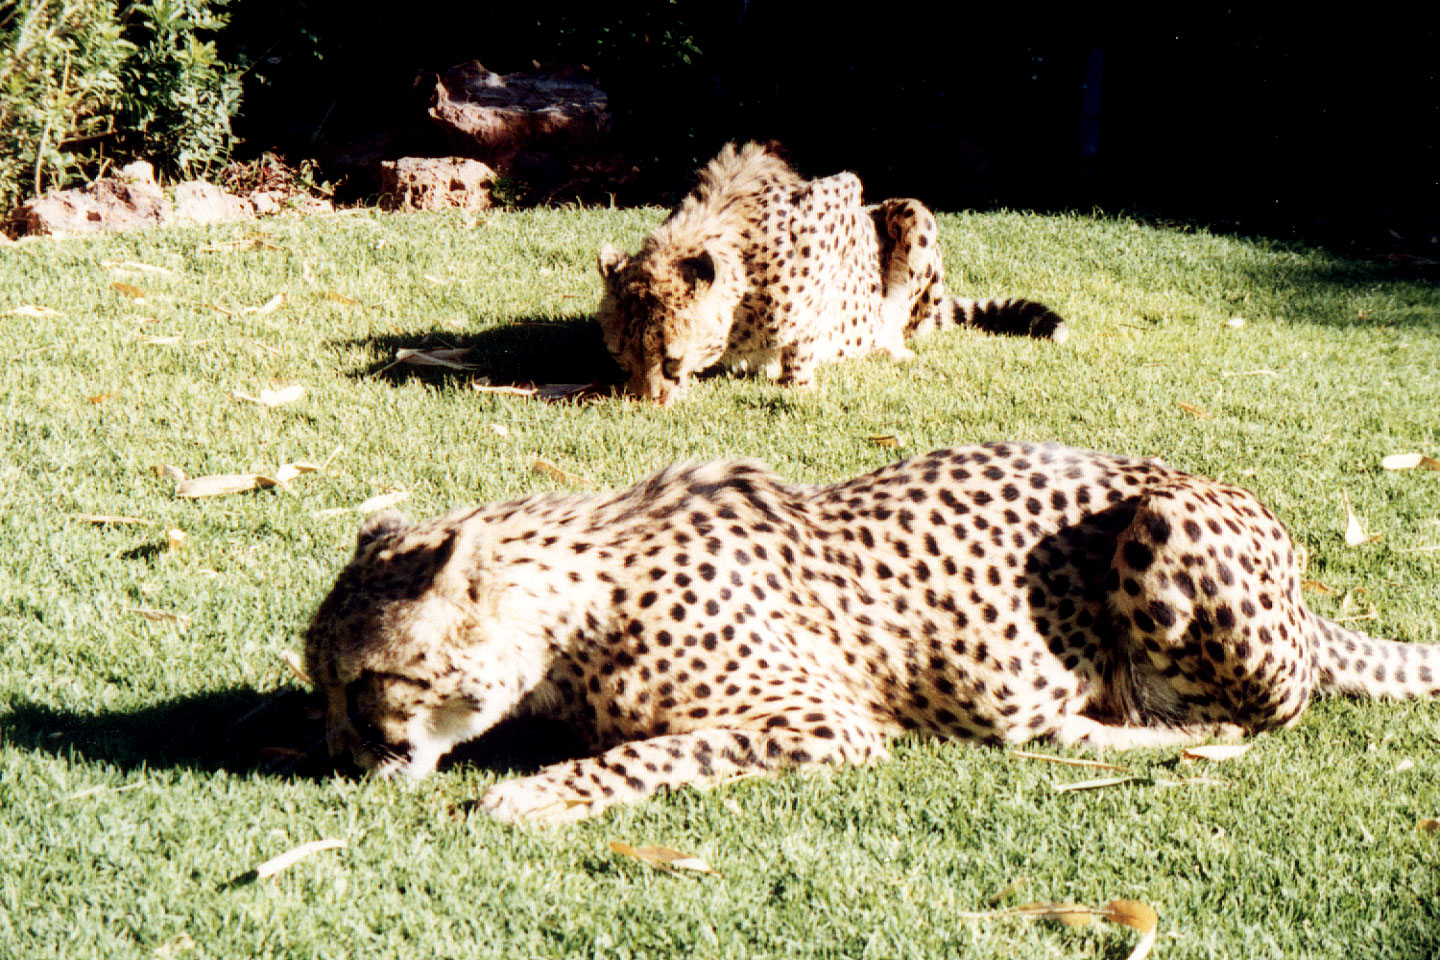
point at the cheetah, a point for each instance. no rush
(760, 270)
(712, 621)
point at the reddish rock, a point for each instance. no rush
(107, 205)
(435, 183)
(200, 202)
(494, 116)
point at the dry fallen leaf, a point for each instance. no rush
(337, 297)
(175, 538)
(273, 398)
(1317, 587)
(1409, 461)
(292, 660)
(179, 945)
(34, 312)
(544, 391)
(267, 308)
(218, 485)
(1428, 826)
(137, 266)
(1137, 916)
(240, 243)
(103, 518)
(1068, 761)
(99, 398)
(289, 858)
(561, 391)
(1009, 888)
(382, 501)
(226, 483)
(166, 470)
(94, 791)
(1093, 784)
(1215, 751)
(1355, 535)
(662, 857)
(432, 357)
(1194, 411)
(289, 471)
(1130, 913)
(150, 613)
(484, 386)
(889, 441)
(129, 290)
(549, 469)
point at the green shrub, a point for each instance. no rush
(87, 82)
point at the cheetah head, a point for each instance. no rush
(404, 648)
(665, 315)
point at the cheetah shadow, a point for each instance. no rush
(519, 352)
(244, 731)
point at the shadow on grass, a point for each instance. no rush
(516, 353)
(244, 731)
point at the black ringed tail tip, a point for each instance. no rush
(1010, 316)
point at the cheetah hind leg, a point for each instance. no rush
(577, 789)
(1081, 731)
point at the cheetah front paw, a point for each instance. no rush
(532, 800)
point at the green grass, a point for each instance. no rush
(1310, 849)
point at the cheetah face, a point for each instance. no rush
(397, 649)
(663, 319)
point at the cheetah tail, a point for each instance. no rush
(1355, 665)
(1011, 316)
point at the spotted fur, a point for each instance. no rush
(761, 270)
(712, 621)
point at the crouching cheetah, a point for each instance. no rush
(712, 620)
(759, 269)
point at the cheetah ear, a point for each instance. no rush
(386, 523)
(611, 262)
(698, 269)
(464, 558)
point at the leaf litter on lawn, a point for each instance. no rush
(447, 357)
(1355, 535)
(221, 484)
(294, 855)
(382, 501)
(272, 398)
(1130, 913)
(1409, 461)
(663, 858)
(555, 472)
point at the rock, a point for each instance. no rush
(265, 202)
(435, 183)
(107, 205)
(493, 116)
(304, 203)
(199, 202)
(138, 171)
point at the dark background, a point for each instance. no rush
(1288, 120)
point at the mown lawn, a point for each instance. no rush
(140, 779)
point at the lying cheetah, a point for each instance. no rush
(759, 269)
(712, 620)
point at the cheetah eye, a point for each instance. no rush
(672, 368)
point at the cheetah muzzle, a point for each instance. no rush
(712, 621)
(760, 270)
